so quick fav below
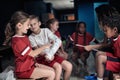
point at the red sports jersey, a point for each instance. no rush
(24, 63)
(57, 33)
(113, 60)
(116, 46)
(80, 40)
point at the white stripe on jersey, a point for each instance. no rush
(25, 51)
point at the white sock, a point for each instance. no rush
(99, 78)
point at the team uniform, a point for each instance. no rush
(24, 64)
(113, 60)
(45, 37)
(57, 33)
(80, 40)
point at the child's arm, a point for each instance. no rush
(88, 47)
(62, 49)
(37, 51)
(96, 41)
(55, 44)
(69, 43)
(92, 47)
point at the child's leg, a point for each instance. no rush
(75, 58)
(96, 60)
(42, 72)
(83, 57)
(58, 70)
(116, 76)
(101, 58)
(67, 66)
(44, 66)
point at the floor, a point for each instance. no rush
(82, 72)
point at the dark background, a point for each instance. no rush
(38, 7)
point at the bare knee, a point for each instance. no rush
(102, 58)
(99, 53)
(57, 66)
(67, 66)
(52, 74)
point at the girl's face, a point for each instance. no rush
(54, 26)
(34, 25)
(82, 28)
(109, 32)
(23, 28)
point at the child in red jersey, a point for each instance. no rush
(53, 25)
(81, 37)
(110, 61)
(25, 66)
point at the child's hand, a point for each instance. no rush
(37, 65)
(49, 59)
(47, 46)
(64, 54)
(88, 47)
(42, 54)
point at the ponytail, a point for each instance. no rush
(18, 17)
(9, 32)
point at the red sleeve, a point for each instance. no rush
(117, 47)
(57, 33)
(20, 48)
(90, 37)
(72, 37)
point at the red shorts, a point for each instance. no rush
(113, 63)
(42, 60)
(25, 68)
(25, 74)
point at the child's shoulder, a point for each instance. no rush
(88, 33)
(74, 33)
(42, 29)
(18, 38)
(118, 38)
(45, 30)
